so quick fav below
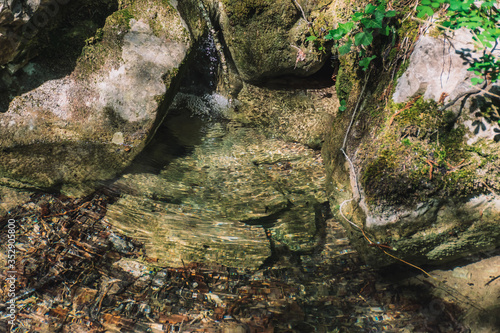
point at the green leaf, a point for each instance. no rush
(346, 27)
(424, 10)
(335, 34)
(346, 48)
(370, 8)
(311, 38)
(343, 105)
(357, 16)
(426, 2)
(435, 4)
(365, 62)
(459, 6)
(476, 80)
(379, 16)
(390, 13)
(363, 38)
(371, 24)
(385, 31)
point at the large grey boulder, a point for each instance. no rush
(425, 180)
(88, 125)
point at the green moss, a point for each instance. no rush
(240, 11)
(419, 155)
(343, 84)
(105, 44)
(120, 19)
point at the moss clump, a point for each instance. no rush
(240, 11)
(121, 19)
(343, 85)
(418, 155)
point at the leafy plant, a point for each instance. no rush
(360, 31)
(406, 142)
(482, 20)
(343, 105)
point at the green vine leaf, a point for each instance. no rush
(365, 62)
(335, 34)
(346, 48)
(369, 9)
(357, 16)
(424, 10)
(363, 38)
(390, 13)
(476, 80)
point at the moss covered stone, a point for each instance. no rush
(266, 39)
(63, 133)
(423, 175)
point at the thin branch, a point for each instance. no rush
(487, 92)
(345, 218)
(303, 14)
(433, 23)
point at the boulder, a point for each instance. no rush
(267, 39)
(88, 125)
(424, 175)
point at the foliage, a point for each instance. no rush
(482, 20)
(361, 29)
(343, 105)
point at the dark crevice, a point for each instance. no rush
(323, 78)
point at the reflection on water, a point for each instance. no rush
(207, 188)
(229, 190)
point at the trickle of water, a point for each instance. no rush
(209, 106)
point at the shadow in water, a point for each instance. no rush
(191, 113)
(176, 137)
(57, 47)
(323, 78)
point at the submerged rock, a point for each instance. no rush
(216, 203)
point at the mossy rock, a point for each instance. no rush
(424, 178)
(268, 39)
(74, 131)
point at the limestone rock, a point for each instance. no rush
(437, 67)
(425, 179)
(88, 125)
(267, 39)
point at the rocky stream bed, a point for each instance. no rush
(75, 273)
